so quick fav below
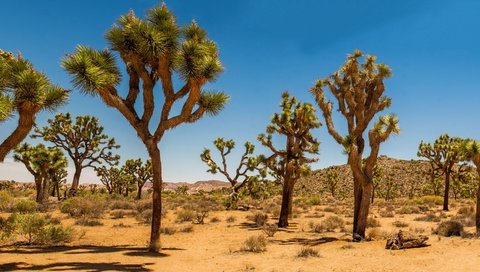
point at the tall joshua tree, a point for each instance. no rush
(248, 163)
(154, 50)
(295, 122)
(24, 91)
(444, 154)
(471, 152)
(43, 163)
(84, 142)
(139, 173)
(358, 88)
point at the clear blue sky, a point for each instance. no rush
(433, 48)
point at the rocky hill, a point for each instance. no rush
(409, 177)
(205, 185)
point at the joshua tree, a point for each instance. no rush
(332, 180)
(378, 176)
(295, 122)
(444, 155)
(84, 142)
(112, 178)
(248, 163)
(43, 163)
(154, 50)
(26, 92)
(358, 88)
(58, 179)
(471, 152)
(138, 173)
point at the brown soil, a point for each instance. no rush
(215, 247)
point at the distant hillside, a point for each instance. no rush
(205, 185)
(408, 175)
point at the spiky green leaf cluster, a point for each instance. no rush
(22, 87)
(295, 122)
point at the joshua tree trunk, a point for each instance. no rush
(25, 124)
(76, 178)
(38, 188)
(139, 191)
(286, 199)
(363, 193)
(477, 212)
(45, 185)
(447, 190)
(154, 153)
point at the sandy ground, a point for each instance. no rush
(215, 247)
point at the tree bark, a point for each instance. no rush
(154, 152)
(139, 191)
(45, 187)
(286, 203)
(362, 197)
(26, 120)
(76, 178)
(447, 190)
(38, 189)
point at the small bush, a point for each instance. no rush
(259, 218)
(449, 228)
(386, 213)
(200, 217)
(30, 226)
(331, 209)
(145, 216)
(408, 210)
(372, 222)
(400, 224)
(25, 206)
(270, 229)
(429, 217)
(231, 219)
(87, 222)
(6, 201)
(185, 215)
(168, 230)
(187, 229)
(56, 235)
(315, 200)
(316, 227)
(122, 205)
(84, 207)
(430, 200)
(143, 205)
(333, 222)
(118, 214)
(306, 252)
(214, 220)
(121, 225)
(255, 244)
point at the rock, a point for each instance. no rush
(405, 240)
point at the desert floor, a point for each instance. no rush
(215, 247)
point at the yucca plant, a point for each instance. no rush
(24, 92)
(155, 51)
(358, 87)
(471, 152)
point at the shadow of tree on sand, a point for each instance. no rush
(72, 266)
(305, 241)
(83, 249)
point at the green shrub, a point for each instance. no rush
(315, 200)
(449, 228)
(306, 252)
(332, 223)
(259, 218)
(88, 222)
(144, 217)
(408, 210)
(372, 222)
(429, 200)
(168, 230)
(25, 206)
(84, 207)
(56, 235)
(122, 205)
(185, 215)
(6, 201)
(255, 244)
